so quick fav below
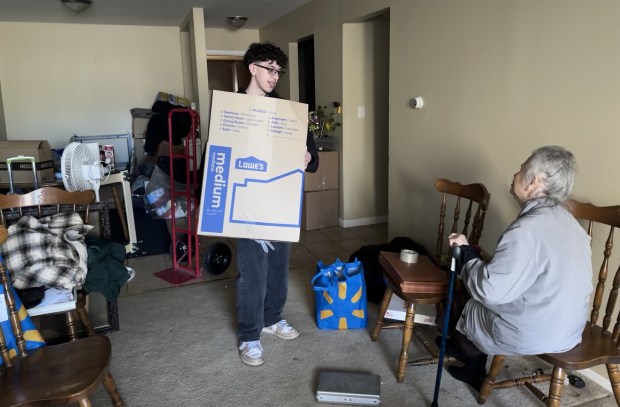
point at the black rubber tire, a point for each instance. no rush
(217, 258)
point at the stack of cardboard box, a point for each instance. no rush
(22, 172)
(320, 207)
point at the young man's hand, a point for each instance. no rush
(307, 159)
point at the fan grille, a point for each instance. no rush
(81, 169)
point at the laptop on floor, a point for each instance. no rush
(351, 388)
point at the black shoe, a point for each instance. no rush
(451, 349)
(473, 373)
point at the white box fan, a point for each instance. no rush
(81, 167)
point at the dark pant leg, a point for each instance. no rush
(465, 346)
(252, 263)
(277, 282)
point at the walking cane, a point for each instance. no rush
(456, 254)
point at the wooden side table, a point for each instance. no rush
(415, 283)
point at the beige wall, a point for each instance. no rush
(224, 39)
(499, 79)
(2, 122)
(60, 79)
(320, 18)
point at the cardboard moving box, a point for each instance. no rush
(253, 174)
(173, 99)
(320, 209)
(22, 172)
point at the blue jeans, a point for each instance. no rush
(262, 286)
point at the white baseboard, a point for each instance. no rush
(363, 221)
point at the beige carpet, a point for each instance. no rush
(177, 347)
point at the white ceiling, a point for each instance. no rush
(148, 12)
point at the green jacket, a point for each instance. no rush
(107, 273)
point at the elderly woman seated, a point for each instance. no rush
(532, 296)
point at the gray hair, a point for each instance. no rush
(555, 167)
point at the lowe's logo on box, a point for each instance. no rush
(251, 164)
(216, 189)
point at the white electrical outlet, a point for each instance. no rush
(361, 112)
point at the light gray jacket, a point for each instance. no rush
(533, 297)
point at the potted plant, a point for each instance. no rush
(322, 125)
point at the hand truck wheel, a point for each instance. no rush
(217, 258)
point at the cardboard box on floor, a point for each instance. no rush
(253, 178)
(22, 171)
(320, 209)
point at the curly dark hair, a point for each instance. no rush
(265, 51)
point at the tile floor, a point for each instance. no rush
(323, 244)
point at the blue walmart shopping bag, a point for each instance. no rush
(340, 294)
(31, 334)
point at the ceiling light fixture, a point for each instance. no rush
(237, 21)
(77, 6)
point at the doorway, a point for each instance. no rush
(227, 73)
(365, 143)
(305, 58)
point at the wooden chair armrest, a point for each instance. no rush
(486, 256)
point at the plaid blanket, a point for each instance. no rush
(49, 251)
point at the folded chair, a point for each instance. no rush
(60, 374)
(426, 282)
(599, 342)
(44, 202)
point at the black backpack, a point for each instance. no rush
(373, 272)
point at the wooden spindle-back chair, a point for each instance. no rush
(43, 202)
(476, 197)
(473, 199)
(59, 374)
(600, 345)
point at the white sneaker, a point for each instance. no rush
(131, 272)
(282, 330)
(251, 353)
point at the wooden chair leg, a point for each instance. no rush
(487, 386)
(614, 378)
(384, 306)
(85, 403)
(71, 318)
(555, 387)
(110, 386)
(85, 321)
(404, 352)
(83, 314)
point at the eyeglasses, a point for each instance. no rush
(272, 71)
